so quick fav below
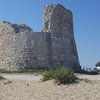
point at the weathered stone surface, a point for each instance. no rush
(59, 22)
(20, 47)
(16, 46)
(57, 19)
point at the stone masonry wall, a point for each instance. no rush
(55, 46)
(16, 46)
(59, 22)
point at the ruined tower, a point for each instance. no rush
(59, 22)
(55, 46)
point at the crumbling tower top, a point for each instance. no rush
(57, 19)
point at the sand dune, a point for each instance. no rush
(30, 87)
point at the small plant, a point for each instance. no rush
(3, 71)
(25, 70)
(61, 76)
(97, 64)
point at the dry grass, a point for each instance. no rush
(61, 76)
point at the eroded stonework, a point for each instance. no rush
(55, 46)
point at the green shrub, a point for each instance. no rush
(97, 64)
(3, 71)
(61, 76)
(24, 70)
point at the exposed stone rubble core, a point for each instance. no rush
(57, 19)
(20, 47)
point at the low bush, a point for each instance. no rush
(61, 76)
(23, 70)
(3, 71)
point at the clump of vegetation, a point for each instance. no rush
(97, 64)
(3, 71)
(25, 70)
(61, 76)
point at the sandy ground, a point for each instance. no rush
(30, 87)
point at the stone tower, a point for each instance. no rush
(59, 22)
(55, 46)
